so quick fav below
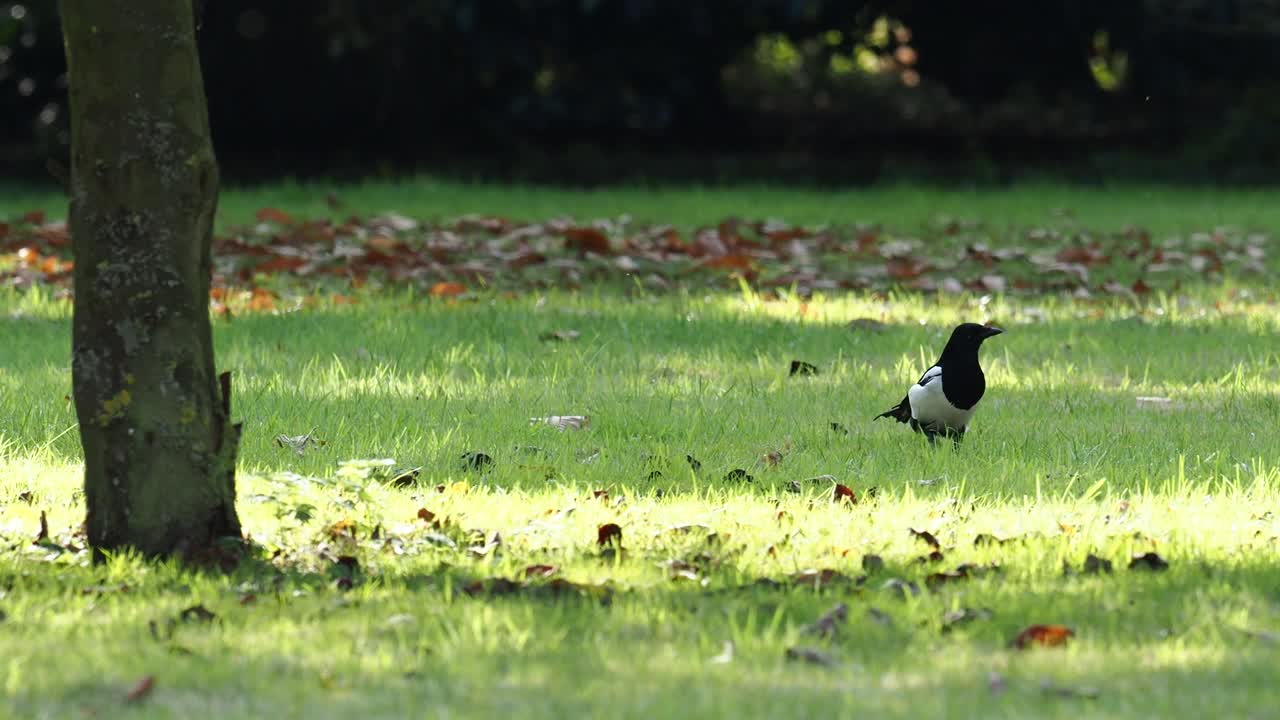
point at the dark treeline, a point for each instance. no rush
(591, 90)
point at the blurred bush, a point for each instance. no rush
(324, 85)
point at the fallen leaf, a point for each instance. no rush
(817, 578)
(273, 215)
(828, 623)
(197, 613)
(880, 617)
(963, 616)
(447, 289)
(559, 335)
(540, 571)
(587, 239)
(738, 475)
(609, 534)
(900, 588)
(475, 460)
(43, 535)
(729, 262)
(1148, 561)
(800, 367)
(726, 655)
(141, 689)
(1049, 687)
(562, 422)
(927, 538)
(843, 494)
(813, 656)
(405, 478)
(342, 528)
(867, 325)
(298, 443)
(1042, 636)
(1094, 565)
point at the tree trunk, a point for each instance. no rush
(159, 448)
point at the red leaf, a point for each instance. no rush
(426, 515)
(905, 268)
(728, 262)
(1141, 288)
(844, 494)
(587, 239)
(534, 571)
(142, 689)
(1043, 636)
(609, 533)
(280, 263)
(447, 289)
(273, 215)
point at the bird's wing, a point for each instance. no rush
(930, 375)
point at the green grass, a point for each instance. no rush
(1062, 457)
(902, 207)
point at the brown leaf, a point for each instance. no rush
(1042, 636)
(927, 538)
(817, 578)
(1148, 561)
(587, 239)
(273, 215)
(826, 625)
(800, 367)
(141, 689)
(344, 527)
(609, 534)
(197, 613)
(447, 289)
(540, 571)
(956, 618)
(43, 535)
(734, 261)
(844, 494)
(810, 655)
(1094, 565)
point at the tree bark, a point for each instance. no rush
(159, 448)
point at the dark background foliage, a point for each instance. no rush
(584, 91)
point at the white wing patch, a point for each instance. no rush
(929, 405)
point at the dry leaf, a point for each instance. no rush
(141, 689)
(609, 534)
(809, 655)
(1042, 636)
(562, 422)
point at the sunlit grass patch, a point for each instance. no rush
(478, 592)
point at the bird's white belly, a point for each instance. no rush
(930, 408)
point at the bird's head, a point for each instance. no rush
(969, 336)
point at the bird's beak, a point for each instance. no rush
(990, 331)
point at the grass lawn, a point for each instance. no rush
(1112, 428)
(902, 207)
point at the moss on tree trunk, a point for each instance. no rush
(154, 420)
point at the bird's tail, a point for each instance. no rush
(900, 412)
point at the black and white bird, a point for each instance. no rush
(943, 400)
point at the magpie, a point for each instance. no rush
(943, 400)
